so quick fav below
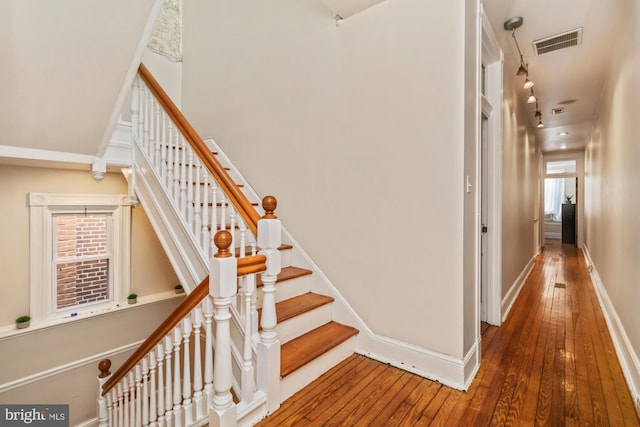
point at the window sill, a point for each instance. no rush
(11, 331)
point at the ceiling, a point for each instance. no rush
(570, 78)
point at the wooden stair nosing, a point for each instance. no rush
(302, 350)
(298, 305)
(287, 273)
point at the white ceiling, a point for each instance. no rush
(576, 73)
(64, 66)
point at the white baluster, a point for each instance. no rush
(248, 384)
(132, 399)
(269, 239)
(158, 135)
(207, 310)
(152, 127)
(183, 179)
(135, 109)
(243, 233)
(163, 149)
(177, 392)
(168, 397)
(190, 188)
(198, 398)
(139, 398)
(152, 396)
(186, 372)
(214, 213)
(223, 209)
(170, 151)
(111, 408)
(232, 228)
(197, 225)
(120, 405)
(147, 116)
(222, 287)
(161, 385)
(204, 234)
(125, 402)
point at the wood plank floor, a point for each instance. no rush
(552, 363)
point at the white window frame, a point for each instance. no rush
(42, 208)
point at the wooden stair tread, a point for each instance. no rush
(247, 249)
(298, 305)
(302, 350)
(287, 273)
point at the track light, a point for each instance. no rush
(540, 124)
(522, 69)
(538, 113)
(528, 83)
(532, 98)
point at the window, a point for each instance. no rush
(79, 246)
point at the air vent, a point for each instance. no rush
(557, 110)
(557, 42)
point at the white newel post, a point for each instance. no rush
(268, 349)
(222, 287)
(103, 376)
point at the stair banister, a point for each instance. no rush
(236, 197)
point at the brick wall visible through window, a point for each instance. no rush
(81, 259)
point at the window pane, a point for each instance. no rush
(81, 235)
(563, 166)
(82, 282)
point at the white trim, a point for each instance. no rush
(21, 382)
(493, 60)
(42, 207)
(515, 289)
(628, 358)
(34, 154)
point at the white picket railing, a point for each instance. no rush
(184, 373)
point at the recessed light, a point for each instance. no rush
(563, 133)
(563, 147)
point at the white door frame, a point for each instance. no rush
(492, 59)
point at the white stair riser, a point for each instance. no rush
(297, 380)
(306, 322)
(287, 289)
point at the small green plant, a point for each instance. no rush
(23, 319)
(178, 287)
(569, 197)
(132, 296)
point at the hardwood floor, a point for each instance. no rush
(552, 363)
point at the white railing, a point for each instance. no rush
(184, 372)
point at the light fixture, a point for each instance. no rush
(540, 124)
(564, 133)
(528, 83)
(510, 25)
(532, 98)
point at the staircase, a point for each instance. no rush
(179, 198)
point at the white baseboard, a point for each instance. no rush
(514, 291)
(627, 356)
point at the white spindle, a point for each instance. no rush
(163, 149)
(138, 390)
(170, 151)
(183, 178)
(187, 327)
(197, 225)
(232, 228)
(157, 121)
(152, 396)
(125, 402)
(248, 384)
(190, 188)
(214, 212)
(147, 117)
(223, 210)
(243, 235)
(207, 310)
(204, 234)
(132, 399)
(177, 392)
(168, 387)
(161, 385)
(111, 407)
(197, 318)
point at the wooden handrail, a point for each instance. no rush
(247, 265)
(237, 198)
(184, 308)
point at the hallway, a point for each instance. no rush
(552, 363)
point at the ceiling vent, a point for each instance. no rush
(557, 110)
(557, 42)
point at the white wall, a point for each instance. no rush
(36, 352)
(359, 130)
(612, 199)
(520, 189)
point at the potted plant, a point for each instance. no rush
(132, 298)
(569, 197)
(178, 288)
(23, 322)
